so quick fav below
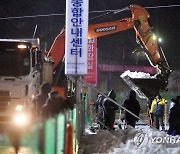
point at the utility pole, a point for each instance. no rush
(80, 113)
(76, 42)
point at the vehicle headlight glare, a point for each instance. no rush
(20, 119)
(22, 46)
(19, 108)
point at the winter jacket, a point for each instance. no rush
(149, 102)
(53, 106)
(69, 103)
(100, 111)
(45, 88)
(174, 114)
(109, 105)
(109, 110)
(174, 122)
(105, 110)
(157, 107)
(132, 104)
(98, 103)
(40, 99)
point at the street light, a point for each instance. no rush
(159, 40)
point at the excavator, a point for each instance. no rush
(144, 87)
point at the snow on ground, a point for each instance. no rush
(142, 140)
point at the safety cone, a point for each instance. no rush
(69, 138)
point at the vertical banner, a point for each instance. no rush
(76, 37)
(91, 77)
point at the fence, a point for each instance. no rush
(49, 137)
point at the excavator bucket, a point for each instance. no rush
(145, 87)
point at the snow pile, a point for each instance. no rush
(102, 141)
(136, 75)
(125, 142)
(154, 142)
(90, 131)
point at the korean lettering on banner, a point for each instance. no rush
(91, 76)
(76, 37)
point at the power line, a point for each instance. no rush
(148, 7)
(101, 11)
(109, 12)
(33, 16)
(162, 6)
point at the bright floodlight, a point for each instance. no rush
(160, 40)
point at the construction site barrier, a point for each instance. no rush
(69, 139)
(51, 136)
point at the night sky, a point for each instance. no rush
(165, 23)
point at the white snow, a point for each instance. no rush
(151, 144)
(124, 142)
(136, 75)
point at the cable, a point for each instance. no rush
(100, 15)
(148, 7)
(162, 6)
(107, 12)
(110, 11)
(35, 16)
(62, 14)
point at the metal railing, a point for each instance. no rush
(95, 89)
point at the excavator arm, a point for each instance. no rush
(144, 33)
(147, 40)
(148, 87)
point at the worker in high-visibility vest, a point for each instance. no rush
(157, 108)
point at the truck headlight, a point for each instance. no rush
(19, 108)
(20, 119)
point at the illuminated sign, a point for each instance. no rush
(76, 37)
(91, 76)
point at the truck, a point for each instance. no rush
(145, 37)
(22, 70)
